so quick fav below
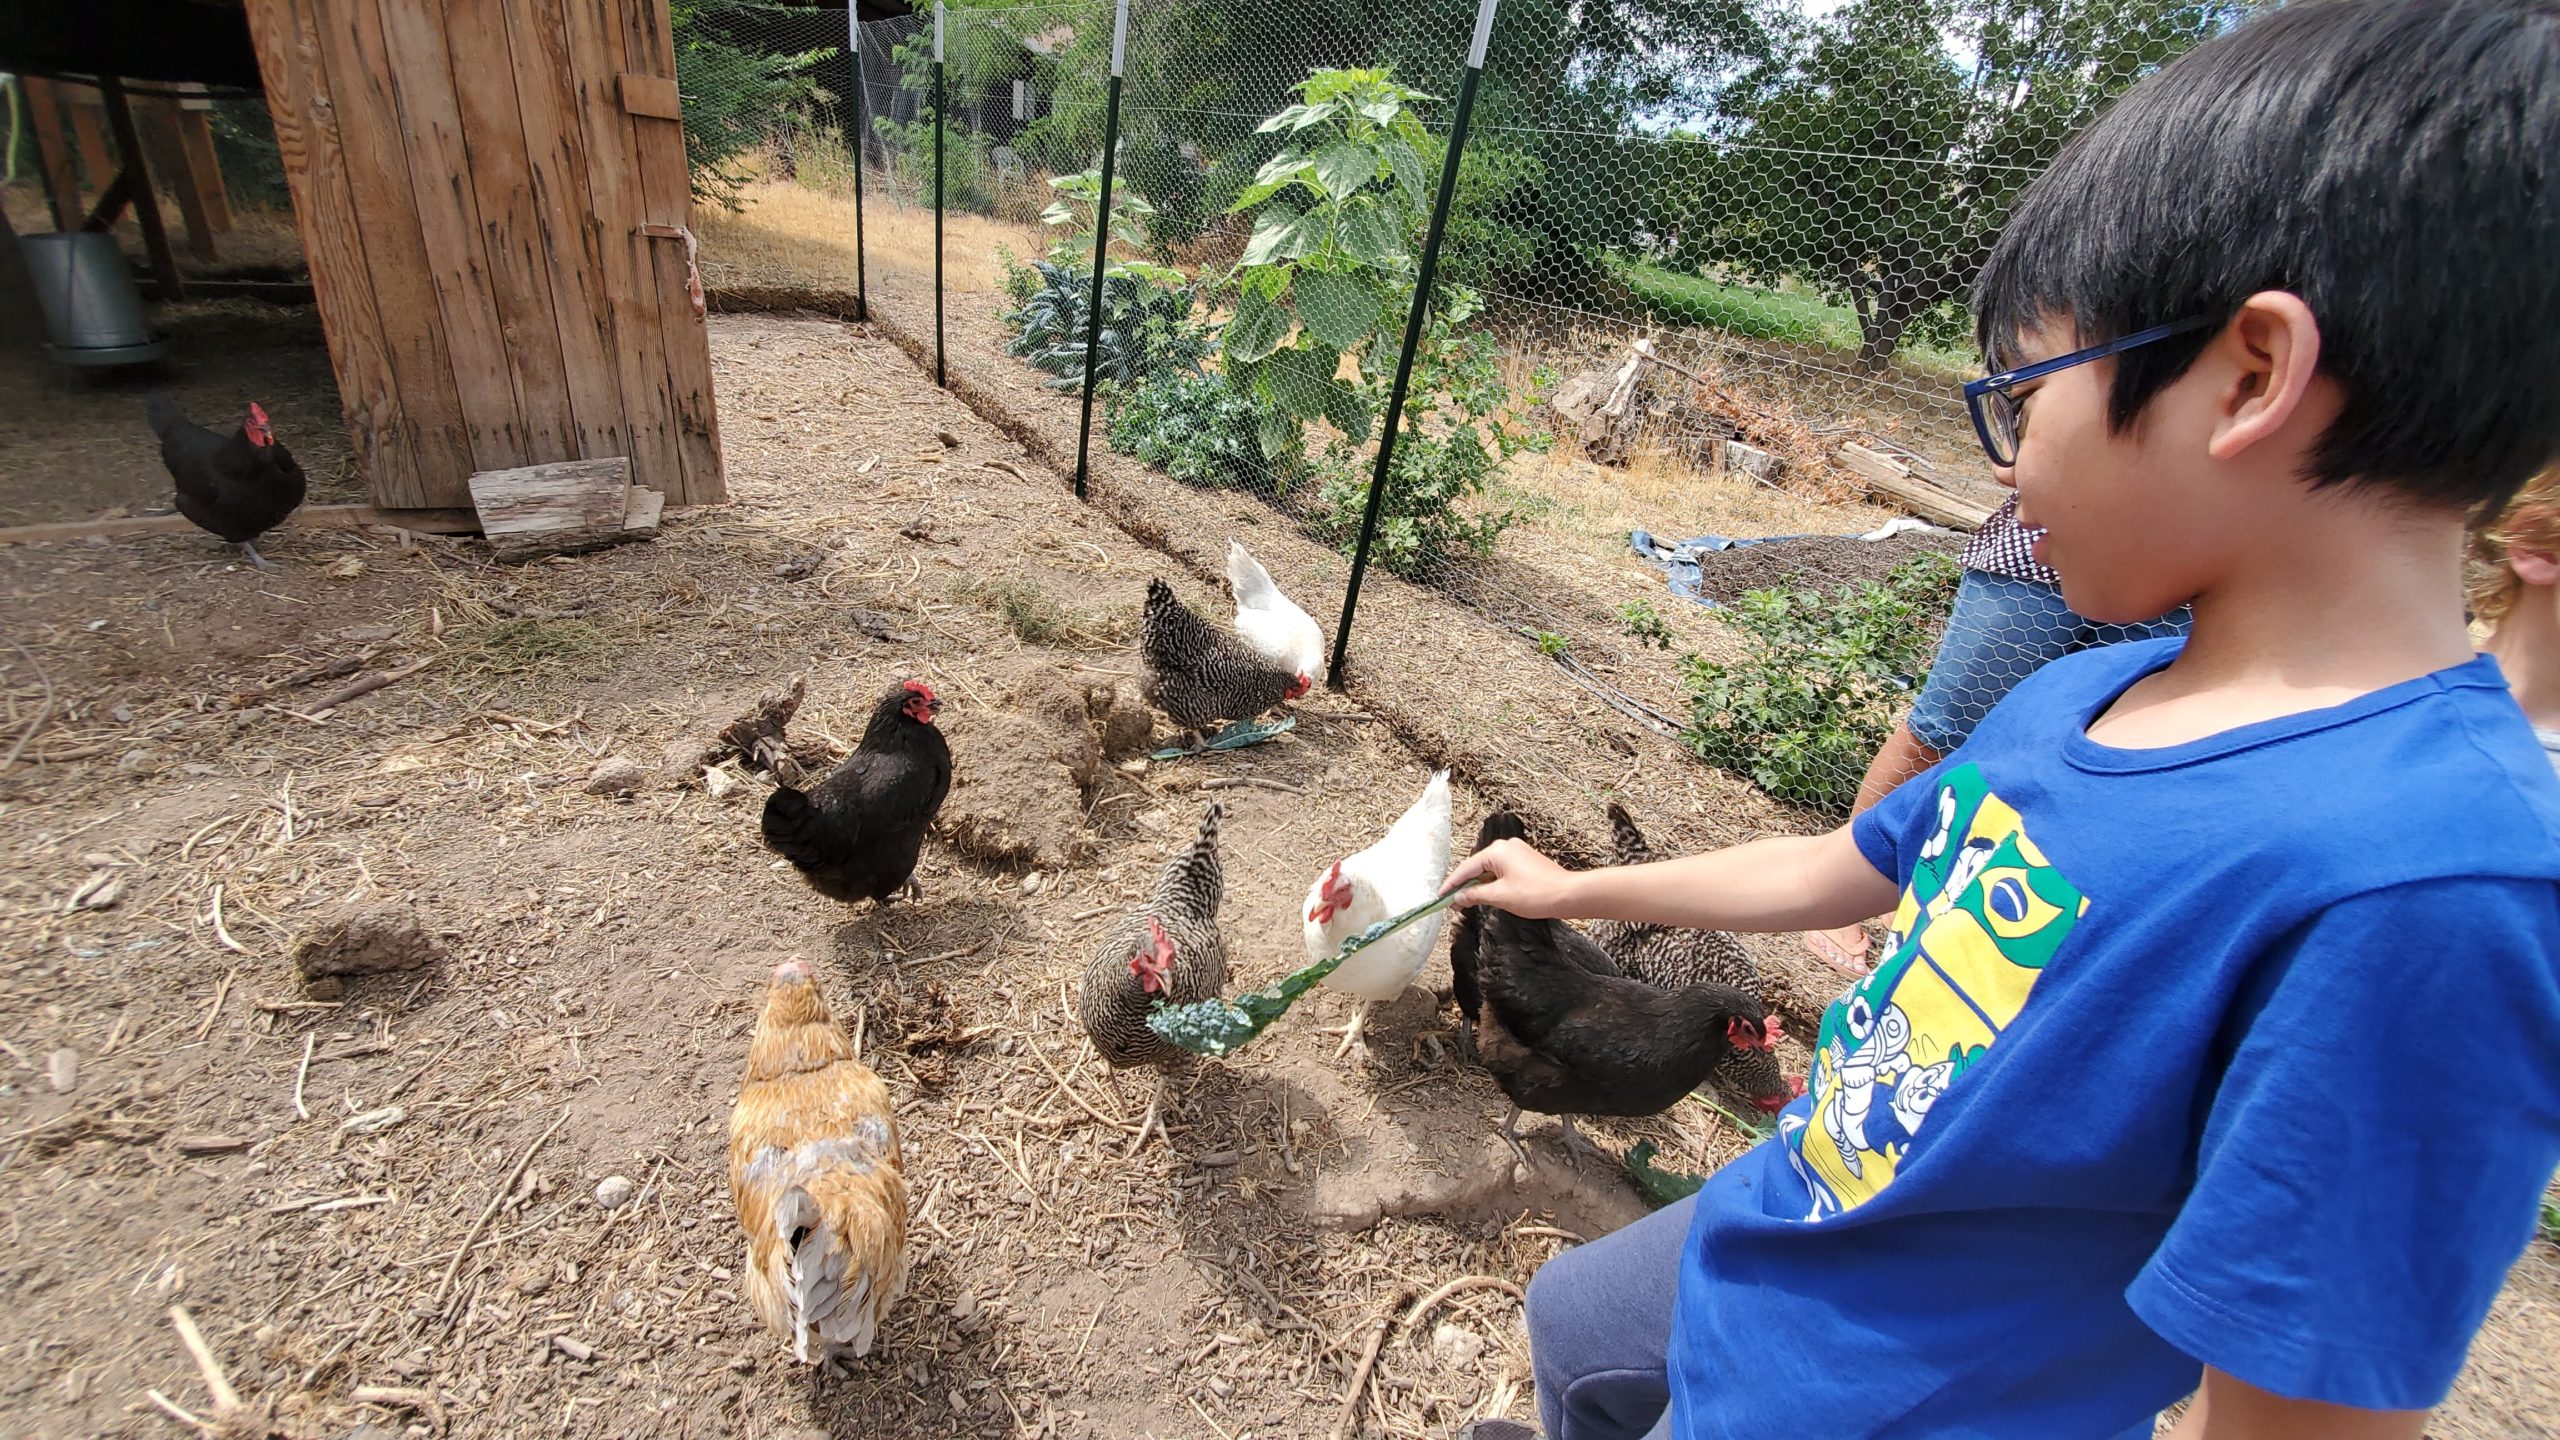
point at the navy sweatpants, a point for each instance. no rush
(1600, 1331)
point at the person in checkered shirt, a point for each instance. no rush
(2008, 621)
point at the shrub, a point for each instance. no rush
(1645, 623)
(1146, 326)
(1195, 428)
(1820, 682)
(732, 94)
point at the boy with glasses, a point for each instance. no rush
(2153, 1090)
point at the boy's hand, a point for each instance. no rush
(1519, 880)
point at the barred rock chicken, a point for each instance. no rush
(1564, 1034)
(818, 1178)
(856, 833)
(237, 486)
(1669, 957)
(1167, 951)
(1271, 622)
(1200, 674)
(1402, 870)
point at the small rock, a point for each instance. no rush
(63, 1070)
(1462, 1346)
(615, 1191)
(134, 761)
(1221, 1388)
(743, 1364)
(949, 440)
(531, 1281)
(618, 775)
(325, 987)
(720, 781)
(98, 891)
(1031, 883)
(123, 714)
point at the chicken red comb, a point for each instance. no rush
(257, 414)
(1743, 1035)
(918, 687)
(794, 971)
(1774, 1031)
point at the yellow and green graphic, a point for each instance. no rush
(1983, 912)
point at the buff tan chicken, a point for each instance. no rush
(816, 1172)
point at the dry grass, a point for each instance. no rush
(793, 237)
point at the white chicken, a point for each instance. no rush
(1270, 622)
(1404, 869)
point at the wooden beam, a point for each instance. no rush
(651, 96)
(309, 517)
(1928, 501)
(89, 132)
(146, 206)
(545, 509)
(158, 118)
(61, 186)
(195, 135)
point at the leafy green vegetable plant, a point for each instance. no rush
(1820, 682)
(1645, 623)
(1196, 428)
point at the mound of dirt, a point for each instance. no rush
(1816, 562)
(368, 940)
(1023, 777)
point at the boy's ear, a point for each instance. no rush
(2534, 567)
(2268, 356)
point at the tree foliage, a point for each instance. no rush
(1868, 160)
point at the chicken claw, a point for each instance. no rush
(254, 557)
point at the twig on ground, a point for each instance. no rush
(222, 932)
(1231, 782)
(310, 1040)
(225, 1399)
(367, 686)
(44, 709)
(505, 1188)
(1459, 1286)
(213, 1012)
(1378, 1329)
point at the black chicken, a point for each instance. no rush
(238, 486)
(1200, 674)
(1668, 956)
(855, 834)
(1565, 1034)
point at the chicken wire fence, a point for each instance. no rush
(1686, 247)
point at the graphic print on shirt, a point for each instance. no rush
(1983, 912)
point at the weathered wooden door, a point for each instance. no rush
(492, 195)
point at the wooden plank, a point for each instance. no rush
(648, 95)
(640, 511)
(195, 134)
(88, 131)
(556, 158)
(421, 74)
(546, 509)
(62, 187)
(158, 119)
(309, 517)
(410, 412)
(290, 63)
(592, 31)
(666, 192)
(1895, 480)
(146, 206)
(511, 233)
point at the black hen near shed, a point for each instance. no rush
(237, 486)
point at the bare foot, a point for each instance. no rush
(1844, 949)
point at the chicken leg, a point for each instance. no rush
(1351, 1031)
(1511, 1137)
(254, 557)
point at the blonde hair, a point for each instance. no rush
(2531, 520)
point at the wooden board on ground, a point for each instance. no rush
(563, 506)
(1894, 480)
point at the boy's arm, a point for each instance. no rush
(1784, 883)
(2229, 1408)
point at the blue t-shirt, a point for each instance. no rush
(2244, 1052)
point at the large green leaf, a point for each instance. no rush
(1275, 433)
(1258, 327)
(1338, 309)
(1277, 174)
(1409, 171)
(1372, 236)
(1300, 381)
(1293, 117)
(1344, 166)
(1347, 406)
(1279, 234)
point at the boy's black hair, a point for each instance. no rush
(2395, 163)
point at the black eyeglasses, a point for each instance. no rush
(1995, 411)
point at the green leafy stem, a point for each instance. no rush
(1221, 1027)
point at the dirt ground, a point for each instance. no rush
(175, 823)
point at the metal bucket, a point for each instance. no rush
(91, 306)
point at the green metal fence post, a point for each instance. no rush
(1101, 238)
(861, 142)
(1415, 320)
(940, 376)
